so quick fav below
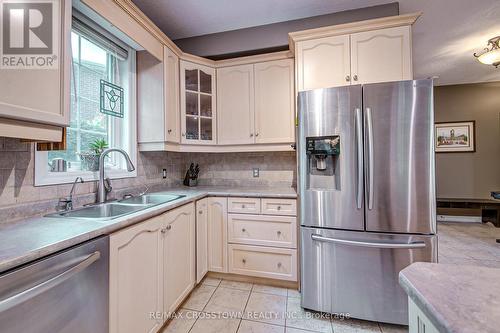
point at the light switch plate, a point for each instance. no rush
(255, 172)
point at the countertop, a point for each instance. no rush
(30, 239)
(455, 298)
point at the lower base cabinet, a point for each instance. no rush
(152, 270)
(418, 321)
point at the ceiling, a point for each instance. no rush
(444, 37)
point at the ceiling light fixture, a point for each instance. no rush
(491, 53)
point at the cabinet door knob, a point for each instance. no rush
(169, 131)
(279, 265)
(244, 261)
(355, 77)
(242, 206)
(279, 232)
(256, 134)
(243, 230)
(168, 227)
(278, 208)
(183, 134)
(200, 212)
(348, 78)
(251, 134)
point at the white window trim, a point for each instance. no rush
(44, 177)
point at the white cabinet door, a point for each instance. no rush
(40, 95)
(136, 277)
(179, 256)
(274, 102)
(235, 105)
(172, 109)
(201, 239)
(198, 113)
(323, 63)
(381, 55)
(217, 234)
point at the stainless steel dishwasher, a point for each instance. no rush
(65, 292)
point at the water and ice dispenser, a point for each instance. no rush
(323, 155)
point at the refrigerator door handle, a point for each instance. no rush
(369, 142)
(359, 143)
(380, 245)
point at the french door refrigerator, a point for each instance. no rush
(367, 195)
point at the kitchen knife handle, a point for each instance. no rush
(359, 143)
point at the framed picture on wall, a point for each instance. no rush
(456, 137)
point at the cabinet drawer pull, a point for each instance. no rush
(242, 206)
(278, 208)
(244, 261)
(279, 265)
(243, 230)
(279, 233)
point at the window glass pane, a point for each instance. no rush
(205, 82)
(92, 55)
(90, 117)
(74, 45)
(206, 129)
(69, 154)
(191, 103)
(192, 79)
(206, 105)
(192, 128)
(89, 81)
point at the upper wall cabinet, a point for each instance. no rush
(381, 55)
(371, 51)
(323, 62)
(274, 102)
(158, 100)
(256, 103)
(35, 74)
(198, 113)
(235, 105)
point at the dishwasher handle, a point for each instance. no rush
(380, 245)
(29, 293)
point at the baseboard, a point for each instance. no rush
(257, 280)
(462, 219)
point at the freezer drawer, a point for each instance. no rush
(357, 272)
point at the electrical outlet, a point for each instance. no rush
(164, 173)
(255, 172)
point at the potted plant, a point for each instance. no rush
(90, 158)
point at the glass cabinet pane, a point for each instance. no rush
(206, 105)
(192, 128)
(206, 129)
(205, 82)
(191, 103)
(191, 79)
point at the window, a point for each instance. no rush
(96, 57)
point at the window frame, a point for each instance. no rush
(42, 175)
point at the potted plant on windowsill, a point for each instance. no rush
(90, 159)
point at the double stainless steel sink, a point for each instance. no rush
(114, 209)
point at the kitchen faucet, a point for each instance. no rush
(67, 203)
(104, 186)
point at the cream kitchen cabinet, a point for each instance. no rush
(136, 277)
(323, 62)
(255, 103)
(179, 256)
(274, 101)
(235, 105)
(152, 270)
(379, 55)
(217, 234)
(201, 239)
(198, 103)
(157, 100)
(35, 103)
(418, 322)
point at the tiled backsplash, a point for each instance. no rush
(19, 198)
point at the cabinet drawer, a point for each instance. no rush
(280, 231)
(243, 205)
(279, 207)
(264, 262)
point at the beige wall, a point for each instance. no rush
(470, 175)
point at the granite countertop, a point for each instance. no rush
(33, 238)
(455, 298)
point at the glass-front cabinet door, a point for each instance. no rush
(197, 103)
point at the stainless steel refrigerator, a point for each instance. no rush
(367, 195)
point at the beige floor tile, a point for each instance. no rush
(295, 330)
(210, 324)
(293, 293)
(247, 326)
(266, 308)
(236, 285)
(183, 322)
(388, 328)
(229, 302)
(355, 326)
(308, 320)
(199, 297)
(261, 288)
(209, 281)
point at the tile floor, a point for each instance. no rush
(248, 307)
